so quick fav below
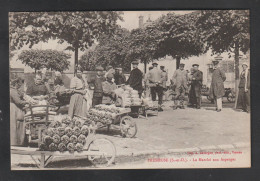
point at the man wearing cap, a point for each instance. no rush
(146, 83)
(217, 90)
(155, 81)
(119, 76)
(196, 84)
(98, 89)
(180, 80)
(109, 96)
(164, 79)
(135, 78)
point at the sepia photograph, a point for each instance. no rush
(129, 89)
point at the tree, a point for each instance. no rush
(78, 29)
(51, 59)
(111, 50)
(225, 31)
(178, 37)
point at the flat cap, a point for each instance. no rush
(182, 64)
(195, 65)
(110, 76)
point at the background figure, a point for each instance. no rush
(119, 76)
(155, 81)
(217, 90)
(164, 80)
(135, 78)
(191, 101)
(110, 70)
(109, 96)
(243, 101)
(180, 80)
(17, 126)
(146, 83)
(98, 89)
(196, 84)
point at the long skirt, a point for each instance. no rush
(76, 105)
(17, 126)
(243, 100)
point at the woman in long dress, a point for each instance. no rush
(17, 126)
(78, 105)
(243, 101)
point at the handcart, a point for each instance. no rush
(100, 152)
(123, 122)
(37, 121)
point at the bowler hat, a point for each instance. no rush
(154, 63)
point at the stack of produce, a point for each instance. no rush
(37, 110)
(131, 97)
(105, 113)
(65, 134)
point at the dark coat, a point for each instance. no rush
(217, 89)
(119, 78)
(135, 80)
(196, 83)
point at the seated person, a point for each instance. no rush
(109, 95)
(38, 88)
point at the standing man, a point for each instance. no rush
(119, 76)
(155, 80)
(217, 90)
(180, 80)
(164, 79)
(146, 83)
(98, 89)
(196, 84)
(135, 78)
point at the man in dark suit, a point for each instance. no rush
(135, 78)
(196, 84)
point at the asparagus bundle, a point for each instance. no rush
(64, 134)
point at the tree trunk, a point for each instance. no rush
(236, 51)
(76, 58)
(178, 61)
(145, 66)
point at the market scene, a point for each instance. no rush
(110, 89)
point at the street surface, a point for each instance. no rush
(171, 129)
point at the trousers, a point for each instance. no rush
(96, 101)
(219, 103)
(159, 91)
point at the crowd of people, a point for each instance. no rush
(152, 84)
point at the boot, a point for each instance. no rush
(160, 108)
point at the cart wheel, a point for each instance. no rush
(128, 127)
(231, 97)
(107, 150)
(52, 101)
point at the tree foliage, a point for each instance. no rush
(51, 59)
(222, 30)
(78, 29)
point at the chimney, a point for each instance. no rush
(141, 21)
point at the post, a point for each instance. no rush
(236, 51)
(76, 58)
(178, 61)
(145, 66)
